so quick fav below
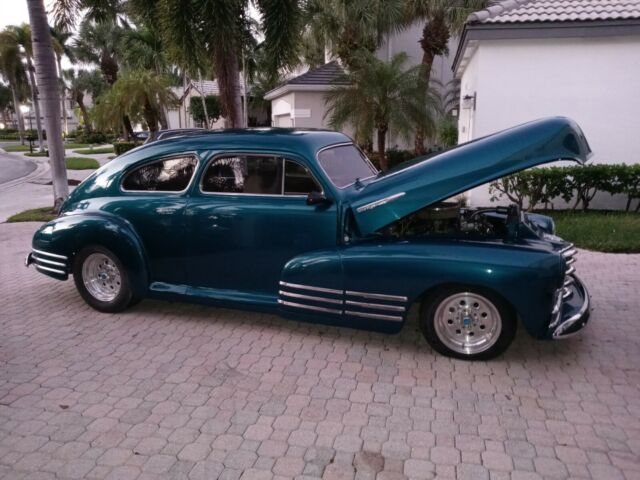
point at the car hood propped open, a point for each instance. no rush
(396, 194)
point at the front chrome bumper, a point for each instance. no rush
(51, 264)
(574, 310)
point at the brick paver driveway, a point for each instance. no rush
(181, 391)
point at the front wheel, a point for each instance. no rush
(468, 323)
(102, 280)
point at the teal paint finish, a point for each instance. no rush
(278, 254)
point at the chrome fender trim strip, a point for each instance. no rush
(377, 296)
(377, 316)
(379, 306)
(309, 307)
(53, 255)
(309, 287)
(54, 270)
(310, 297)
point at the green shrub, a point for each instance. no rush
(540, 186)
(92, 137)
(120, 147)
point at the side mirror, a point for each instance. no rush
(317, 198)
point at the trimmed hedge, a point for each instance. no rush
(121, 147)
(540, 186)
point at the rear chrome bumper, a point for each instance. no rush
(51, 264)
(575, 310)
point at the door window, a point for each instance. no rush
(169, 175)
(257, 175)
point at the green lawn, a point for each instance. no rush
(76, 145)
(43, 214)
(16, 148)
(81, 163)
(617, 232)
(94, 151)
(37, 154)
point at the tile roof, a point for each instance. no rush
(328, 74)
(521, 11)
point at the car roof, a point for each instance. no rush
(302, 141)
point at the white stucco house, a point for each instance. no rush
(519, 60)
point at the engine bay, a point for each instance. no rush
(452, 219)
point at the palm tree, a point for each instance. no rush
(442, 18)
(62, 47)
(12, 69)
(141, 94)
(350, 28)
(22, 37)
(45, 63)
(380, 96)
(81, 83)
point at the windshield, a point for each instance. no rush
(344, 164)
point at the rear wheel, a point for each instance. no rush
(467, 322)
(102, 280)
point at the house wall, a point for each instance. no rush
(592, 80)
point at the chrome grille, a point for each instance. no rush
(569, 254)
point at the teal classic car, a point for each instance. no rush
(300, 223)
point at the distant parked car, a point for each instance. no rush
(300, 223)
(141, 136)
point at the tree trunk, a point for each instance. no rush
(204, 103)
(150, 117)
(45, 61)
(228, 73)
(35, 100)
(164, 124)
(434, 41)
(84, 112)
(16, 108)
(128, 128)
(63, 99)
(382, 147)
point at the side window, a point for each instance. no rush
(298, 180)
(170, 175)
(244, 174)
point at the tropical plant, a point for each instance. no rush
(12, 70)
(349, 28)
(207, 114)
(197, 32)
(48, 83)
(21, 36)
(441, 18)
(81, 83)
(62, 47)
(380, 96)
(139, 94)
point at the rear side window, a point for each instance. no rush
(257, 175)
(170, 175)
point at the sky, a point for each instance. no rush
(14, 12)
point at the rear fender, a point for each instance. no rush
(68, 234)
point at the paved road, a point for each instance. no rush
(13, 167)
(173, 391)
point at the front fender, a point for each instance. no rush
(68, 234)
(525, 277)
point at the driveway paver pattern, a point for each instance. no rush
(170, 390)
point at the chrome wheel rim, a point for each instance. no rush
(467, 323)
(101, 277)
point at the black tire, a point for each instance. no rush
(507, 319)
(123, 299)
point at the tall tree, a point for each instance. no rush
(22, 36)
(45, 64)
(441, 18)
(140, 94)
(12, 69)
(81, 83)
(62, 47)
(350, 28)
(201, 31)
(380, 96)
